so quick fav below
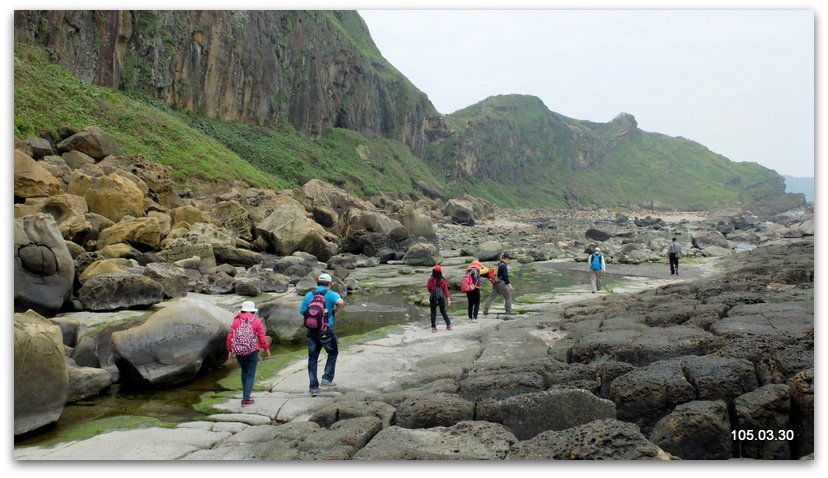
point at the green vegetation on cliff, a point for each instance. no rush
(514, 151)
(203, 149)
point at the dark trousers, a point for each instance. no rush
(474, 302)
(674, 258)
(434, 303)
(248, 372)
(316, 342)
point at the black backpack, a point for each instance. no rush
(315, 316)
(437, 293)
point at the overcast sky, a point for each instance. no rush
(740, 82)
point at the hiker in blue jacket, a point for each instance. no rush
(597, 268)
(324, 338)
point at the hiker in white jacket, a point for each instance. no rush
(674, 252)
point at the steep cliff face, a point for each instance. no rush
(314, 69)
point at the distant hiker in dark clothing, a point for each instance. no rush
(597, 268)
(244, 340)
(471, 286)
(438, 292)
(501, 286)
(325, 336)
(674, 252)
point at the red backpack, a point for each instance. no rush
(492, 274)
(467, 283)
(315, 315)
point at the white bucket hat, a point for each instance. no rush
(248, 306)
(325, 278)
(597, 249)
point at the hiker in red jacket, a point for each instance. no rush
(438, 296)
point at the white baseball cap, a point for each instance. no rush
(325, 278)
(248, 306)
(597, 249)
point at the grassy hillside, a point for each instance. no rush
(202, 149)
(526, 155)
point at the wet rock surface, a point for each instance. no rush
(623, 376)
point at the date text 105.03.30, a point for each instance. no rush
(763, 435)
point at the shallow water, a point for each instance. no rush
(378, 306)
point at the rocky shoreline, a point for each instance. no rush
(112, 263)
(660, 374)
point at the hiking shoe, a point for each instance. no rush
(314, 392)
(328, 384)
(448, 327)
(247, 403)
(474, 321)
(434, 329)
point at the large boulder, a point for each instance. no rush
(68, 210)
(31, 179)
(469, 440)
(433, 410)
(422, 254)
(106, 266)
(173, 345)
(190, 215)
(460, 212)
(41, 382)
(77, 159)
(171, 277)
(353, 407)
(183, 248)
(367, 232)
(85, 382)
(40, 146)
(802, 411)
(57, 167)
(289, 229)
(417, 224)
(532, 413)
(114, 196)
(702, 240)
(646, 394)
(156, 176)
(283, 322)
(327, 202)
(116, 291)
(607, 439)
(92, 141)
(43, 268)
(697, 430)
(143, 233)
(232, 216)
(766, 409)
(489, 251)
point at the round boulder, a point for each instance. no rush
(43, 268)
(41, 382)
(173, 345)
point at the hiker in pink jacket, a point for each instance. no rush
(244, 340)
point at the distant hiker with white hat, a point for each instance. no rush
(244, 340)
(319, 309)
(597, 268)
